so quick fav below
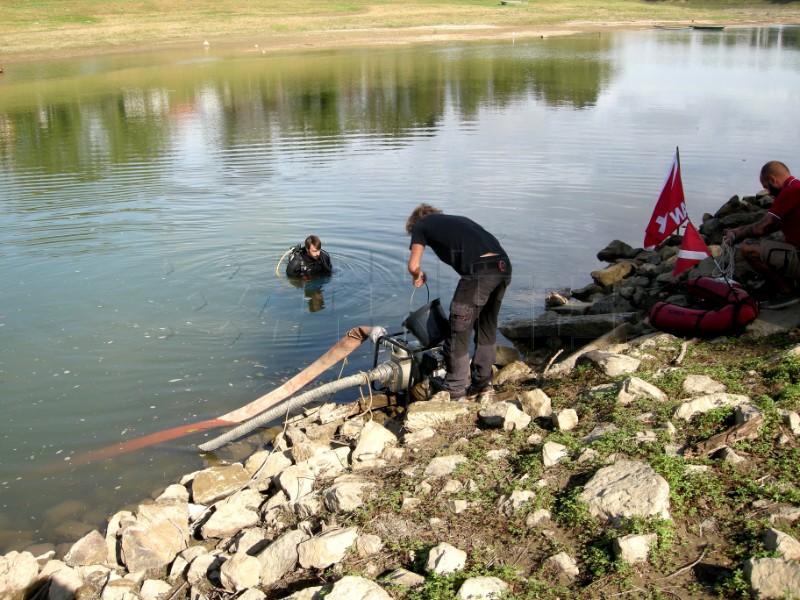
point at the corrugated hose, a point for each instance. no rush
(383, 373)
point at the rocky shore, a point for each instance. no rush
(613, 460)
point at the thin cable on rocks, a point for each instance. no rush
(725, 265)
(371, 399)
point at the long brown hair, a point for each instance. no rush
(419, 212)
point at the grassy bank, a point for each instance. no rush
(52, 28)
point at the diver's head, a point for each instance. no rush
(313, 246)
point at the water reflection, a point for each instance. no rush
(87, 122)
(312, 291)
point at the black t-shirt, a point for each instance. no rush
(302, 265)
(457, 241)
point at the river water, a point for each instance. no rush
(145, 200)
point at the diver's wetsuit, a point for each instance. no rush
(303, 266)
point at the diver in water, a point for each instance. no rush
(309, 260)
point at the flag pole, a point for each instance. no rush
(669, 207)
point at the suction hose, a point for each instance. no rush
(383, 373)
(280, 260)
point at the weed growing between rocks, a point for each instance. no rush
(719, 509)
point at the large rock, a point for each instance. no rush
(296, 481)
(613, 273)
(216, 483)
(704, 404)
(151, 546)
(791, 419)
(228, 520)
(634, 548)
(617, 249)
(626, 489)
(505, 355)
(634, 388)
(613, 303)
(173, 510)
(91, 549)
(430, 414)
(482, 588)
(368, 544)
(160, 531)
(572, 309)
(120, 589)
(202, 567)
(175, 491)
(373, 439)
(316, 592)
(240, 572)
(264, 465)
(552, 453)
(565, 420)
(327, 549)
(346, 495)
(116, 525)
(444, 559)
(504, 415)
(782, 543)
(512, 373)
(280, 556)
(64, 580)
(696, 385)
(611, 363)
(18, 572)
(350, 587)
(563, 563)
(405, 578)
(535, 403)
(552, 325)
(772, 578)
(444, 465)
(306, 449)
(155, 589)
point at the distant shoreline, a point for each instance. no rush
(361, 38)
(352, 39)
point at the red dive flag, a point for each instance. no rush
(693, 250)
(670, 210)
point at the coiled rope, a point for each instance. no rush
(726, 263)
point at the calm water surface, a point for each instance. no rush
(146, 199)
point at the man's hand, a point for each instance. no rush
(730, 236)
(417, 275)
(764, 226)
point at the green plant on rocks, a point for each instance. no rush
(704, 425)
(783, 379)
(573, 513)
(689, 490)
